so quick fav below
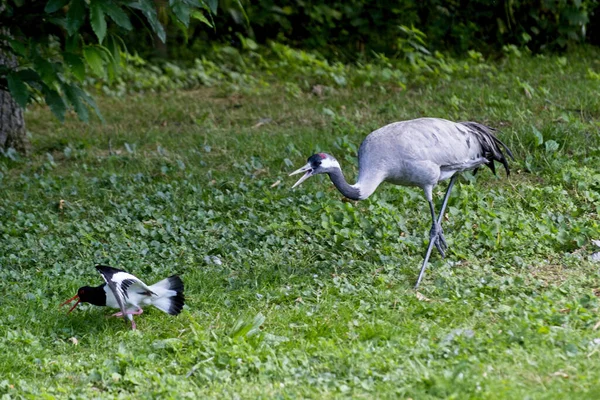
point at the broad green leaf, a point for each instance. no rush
(55, 101)
(539, 138)
(81, 95)
(93, 57)
(28, 75)
(90, 101)
(250, 44)
(75, 16)
(142, 5)
(46, 70)
(199, 15)
(157, 27)
(72, 43)
(182, 11)
(245, 328)
(149, 11)
(18, 89)
(76, 65)
(62, 22)
(117, 14)
(97, 19)
(241, 6)
(213, 5)
(18, 47)
(74, 97)
(183, 29)
(551, 146)
(55, 5)
(112, 45)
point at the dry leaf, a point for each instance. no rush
(262, 121)
(421, 297)
(318, 90)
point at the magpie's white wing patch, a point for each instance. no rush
(127, 283)
(121, 283)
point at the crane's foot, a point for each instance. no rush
(436, 235)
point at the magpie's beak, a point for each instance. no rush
(76, 297)
(308, 173)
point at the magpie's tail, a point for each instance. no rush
(169, 295)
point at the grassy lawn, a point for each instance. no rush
(295, 293)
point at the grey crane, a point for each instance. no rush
(419, 152)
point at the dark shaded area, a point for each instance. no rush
(351, 30)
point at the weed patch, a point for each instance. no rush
(294, 293)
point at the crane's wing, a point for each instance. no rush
(120, 283)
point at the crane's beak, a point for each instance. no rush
(76, 297)
(308, 173)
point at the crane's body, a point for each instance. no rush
(419, 152)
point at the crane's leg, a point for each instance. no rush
(436, 235)
(441, 216)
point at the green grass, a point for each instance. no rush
(312, 296)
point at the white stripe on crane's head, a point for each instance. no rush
(329, 163)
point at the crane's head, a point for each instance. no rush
(320, 163)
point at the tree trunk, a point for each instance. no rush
(12, 124)
(160, 48)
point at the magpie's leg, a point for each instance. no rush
(120, 314)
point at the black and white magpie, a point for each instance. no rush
(126, 292)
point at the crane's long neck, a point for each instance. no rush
(350, 191)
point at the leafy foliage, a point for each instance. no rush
(296, 294)
(351, 30)
(58, 43)
(257, 69)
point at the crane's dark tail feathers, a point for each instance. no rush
(491, 145)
